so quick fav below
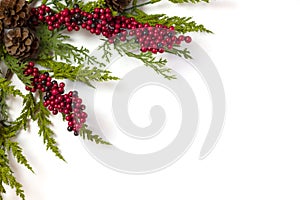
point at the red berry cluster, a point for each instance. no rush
(154, 39)
(55, 99)
(101, 21)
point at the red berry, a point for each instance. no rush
(50, 28)
(70, 123)
(50, 108)
(62, 84)
(84, 115)
(161, 50)
(48, 9)
(154, 51)
(61, 90)
(178, 42)
(68, 117)
(69, 28)
(30, 64)
(77, 28)
(188, 39)
(181, 38)
(54, 92)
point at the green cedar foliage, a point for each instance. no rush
(84, 74)
(66, 61)
(181, 24)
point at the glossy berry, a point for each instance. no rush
(101, 22)
(54, 98)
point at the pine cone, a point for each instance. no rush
(21, 43)
(14, 12)
(118, 5)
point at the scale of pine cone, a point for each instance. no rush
(14, 13)
(118, 5)
(21, 42)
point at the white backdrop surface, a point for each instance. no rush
(256, 49)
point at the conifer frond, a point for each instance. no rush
(80, 73)
(17, 153)
(44, 123)
(149, 59)
(85, 133)
(53, 45)
(27, 113)
(181, 24)
(17, 67)
(7, 177)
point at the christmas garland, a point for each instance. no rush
(34, 47)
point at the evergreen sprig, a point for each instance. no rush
(128, 48)
(59, 5)
(181, 24)
(53, 45)
(80, 73)
(17, 68)
(85, 133)
(185, 53)
(158, 64)
(66, 61)
(44, 123)
(27, 113)
(89, 6)
(7, 177)
(6, 89)
(17, 153)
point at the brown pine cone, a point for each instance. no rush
(21, 43)
(14, 12)
(118, 5)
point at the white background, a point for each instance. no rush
(256, 49)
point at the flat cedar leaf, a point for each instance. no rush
(18, 68)
(79, 73)
(185, 53)
(44, 123)
(17, 153)
(6, 89)
(90, 5)
(149, 59)
(127, 48)
(6, 86)
(85, 133)
(53, 45)
(7, 177)
(27, 113)
(181, 24)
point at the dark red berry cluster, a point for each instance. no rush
(55, 98)
(100, 21)
(154, 39)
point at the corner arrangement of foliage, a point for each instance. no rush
(35, 47)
